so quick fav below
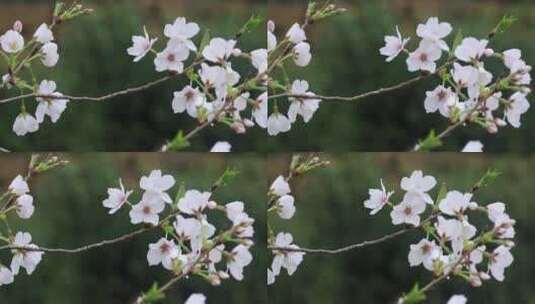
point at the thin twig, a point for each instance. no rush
(87, 98)
(356, 97)
(83, 248)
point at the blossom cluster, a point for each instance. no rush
(468, 92)
(283, 206)
(18, 56)
(293, 46)
(18, 199)
(190, 244)
(217, 92)
(453, 245)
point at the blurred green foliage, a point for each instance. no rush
(93, 62)
(346, 62)
(69, 214)
(330, 214)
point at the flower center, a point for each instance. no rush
(164, 248)
(13, 45)
(171, 57)
(189, 95)
(423, 57)
(407, 211)
(146, 210)
(441, 95)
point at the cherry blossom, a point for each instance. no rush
(12, 42)
(25, 206)
(378, 199)
(296, 34)
(288, 260)
(471, 49)
(157, 184)
(117, 197)
(305, 107)
(302, 55)
(424, 252)
(394, 46)
(286, 208)
(43, 34)
(24, 124)
(52, 107)
(278, 123)
(219, 50)
(196, 298)
(147, 210)
(455, 203)
(280, 186)
(172, 57)
(420, 184)
(500, 259)
(182, 31)
(6, 276)
(194, 201)
(141, 46)
(240, 258)
(19, 186)
(27, 259)
(434, 31)
(408, 211)
(50, 54)
(163, 252)
(189, 99)
(424, 58)
(441, 99)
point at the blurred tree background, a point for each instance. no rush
(94, 62)
(69, 214)
(330, 214)
(346, 62)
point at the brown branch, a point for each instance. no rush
(356, 97)
(83, 248)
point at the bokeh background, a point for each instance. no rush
(69, 213)
(346, 62)
(93, 62)
(330, 214)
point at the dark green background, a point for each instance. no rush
(346, 62)
(330, 214)
(69, 213)
(94, 62)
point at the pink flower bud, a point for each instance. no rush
(489, 52)
(17, 26)
(248, 123)
(500, 122)
(238, 127)
(271, 26)
(212, 205)
(236, 52)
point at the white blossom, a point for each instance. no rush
(50, 54)
(473, 146)
(19, 186)
(172, 57)
(420, 184)
(27, 259)
(141, 46)
(52, 106)
(278, 123)
(221, 147)
(6, 276)
(163, 252)
(424, 57)
(296, 34)
(455, 203)
(424, 252)
(280, 186)
(240, 257)
(189, 99)
(260, 110)
(117, 197)
(306, 107)
(25, 206)
(183, 32)
(435, 31)
(286, 208)
(441, 99)
(271, 38)
(408, 211)
(457, 299)
(157, 184)
(394, 46)
(219, 50)
(24, 124)
(518, 106)
(259, 59)
(43, 34)
(289, 260)
(378, 199)
(500, 259)
(194, 201)
(471, 49)
(196, 298)
(12, 42)
(302, 55)
(148, 210)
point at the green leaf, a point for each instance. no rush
(430, 142)
(506, 23)
(490, 176)
(204, 42)
(153, 295)
(225, 178)
(414, 296)
(441, 193)
(253, 23)
(178, 143)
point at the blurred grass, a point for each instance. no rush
(346, 62)
(330, 214)
(69, 213)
